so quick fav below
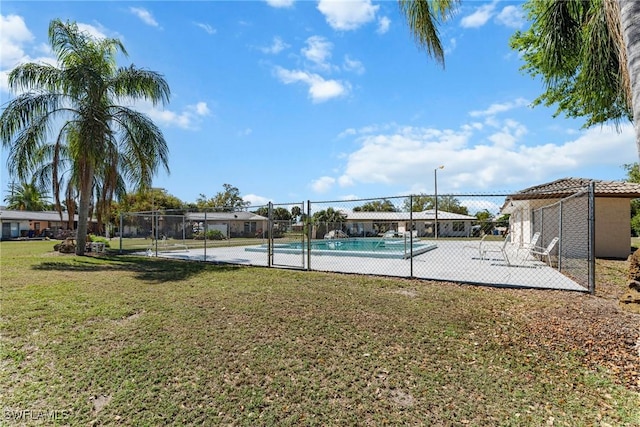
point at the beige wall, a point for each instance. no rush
(613, 227)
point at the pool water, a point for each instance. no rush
(372, 248)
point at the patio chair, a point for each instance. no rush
(478, 246)
(545, 252)
(501, 248)
(529, 246)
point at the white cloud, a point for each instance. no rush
(383, 25)
(245, 132)
(500, 108)
(189, 118)
(401, 156)
(144, 15)
(93, 31)
(323, 184)
(405, 153)
(318, 51)
(451, 46)
(511, 16)
(200, 109)
(509, 133)
(256, 200)
(353, 65)
(479, 17)
(347, 15)
(277, 46)
(476, 205)
(15, 38)
(14, 34)
(320, 90)
(280, 3)
(206, 27)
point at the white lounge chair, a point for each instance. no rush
(529, 246)
(477, 247)
(545, 252)
(487, 248)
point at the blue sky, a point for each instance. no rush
(324, 100)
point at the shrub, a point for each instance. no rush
(98, 239)
(211, 235)
(635, 225)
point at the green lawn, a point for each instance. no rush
(144, 341)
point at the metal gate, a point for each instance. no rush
(286, 239)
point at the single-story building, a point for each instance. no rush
(612, 213)
(20, 224)
(231, 224)
(375, 223)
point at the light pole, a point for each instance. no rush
(435, 183)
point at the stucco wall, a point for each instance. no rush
(613, 227)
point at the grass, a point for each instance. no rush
(144, 341)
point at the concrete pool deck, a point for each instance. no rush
(455, 261)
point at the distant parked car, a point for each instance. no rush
(336, 234)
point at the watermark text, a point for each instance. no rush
(11, 414)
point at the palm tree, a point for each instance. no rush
(26, 197)
(576, 47)
(328, 219)
(79, 100)
(621, 19)
(629, 12)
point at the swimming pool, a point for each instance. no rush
(370, 248)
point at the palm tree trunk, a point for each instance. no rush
(71, 207)
(86, 181)
(629, 13)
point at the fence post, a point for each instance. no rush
(121, 225)
(560, 220)
(270, 235)
(205, 234)
(592, 238)
(302, 242)
(410, 236)
(308, 226)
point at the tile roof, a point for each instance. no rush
(404, 216)
(568, 186)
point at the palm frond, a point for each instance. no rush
(140, 84)
(28, 108)
(423, 18)
(31, 76)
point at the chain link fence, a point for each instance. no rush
(542, 241)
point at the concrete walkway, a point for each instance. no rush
(455, 261)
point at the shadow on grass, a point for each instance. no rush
(147, 269)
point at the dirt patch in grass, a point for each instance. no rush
(411, 293)
(99, 402)
(605, 336)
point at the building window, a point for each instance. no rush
(36, 226)
(458, 226)
(250, 227)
